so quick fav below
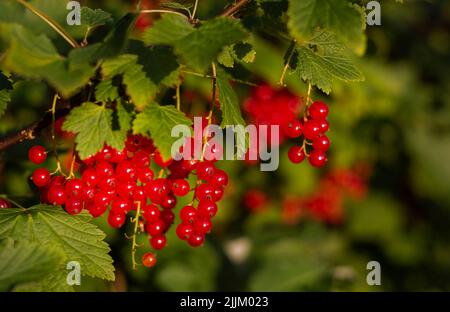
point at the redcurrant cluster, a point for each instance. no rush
(117, 182)
(312, 129)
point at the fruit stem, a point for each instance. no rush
(178, 97)
(291, 50)
(210, 115)
(194, 11)
(162, 11)
(55, 152)
(134, 245)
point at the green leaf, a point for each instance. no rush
(157, 122)
(322, 59)
(231, 110)
(54, 282)
(198, 47)
(241, 52)
(5, 93)
(347, 21)
(94, 127)
(178, 6)
(36, 57)
(106, 91)
(226, 57)
(22, 262)
(94, 18)
(138, 86)
(74, 236)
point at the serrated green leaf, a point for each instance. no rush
(22, 262)
(226, 57)
(138, 86)
(54, 282)
(36, 57)
(94, 128)
(75, 236)
(229, 105)
(347, 21)
(157, 122)
(179, 6)
(198, 47)
(245, 52)
(93, 18)
(322, 59)
(106, 91)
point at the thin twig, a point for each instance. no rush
(163, 11)
(233, 9)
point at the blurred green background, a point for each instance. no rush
(391, 133)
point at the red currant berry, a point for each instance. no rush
(88, 193)
(41, 177)
(120, 206)
(218, 193)
(160, 161)
(102, 199)
(207, 208)
(37, 154)
(318, 110)
(296, 154)
(180, 187)
(116, 220)
(196, 239)
(321, 143)
(294, 129)
(311, 129)
(90, 177)
(141, 159)
(158, 242)
(205, 192)
(324, 126)
(189, 165)
(125, 171)
(157, 190)
(148, 260)
(4, 204)
(205, 170)
(317, 158)
(125, 189)
(188, 214)
(169, 202)
(57, 195)
(202, 225)
(219, 178)
(73, 206)
(168, 218)
(151, 213)
(74, 188)
(139, 195)
(155, 228)
(104, 170)
(184, 230)
(106, 154)
(145, 175)
(57, 180)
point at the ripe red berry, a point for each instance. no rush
(168, 217)
(293, 129)
(169, 202)
(104, 170)
(4, 204)
(311, 129)
(74, 187)
(88, 193)
(37, 154)
(205, 192)
(116, 220)
(321, 143)
(106, 154)
(141, 159)
(125, 171)
(317, 158)
(125, 189)
(56, 195)
(73, 206)
(296, 154)
(145, 175)
(180, 187)
(219, 178)
(207, 208)
(196, 239)
(205, 170)
(184, 230)
(120, 205)
(102, 199)
(318, 110)
(157, 190)
(41, 177)
(155, 228)
(151, 213)
(202, 225)
(96, 210)
(188, 214)
(158, 242)
(217, 193)
(324, 126)
(148, 260)
(89, 177)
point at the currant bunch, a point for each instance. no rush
(114, 183)
(312, 130)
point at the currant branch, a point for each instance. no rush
(235, 8)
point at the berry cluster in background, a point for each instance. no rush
(116, 182)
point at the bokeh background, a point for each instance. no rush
(384, 195)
